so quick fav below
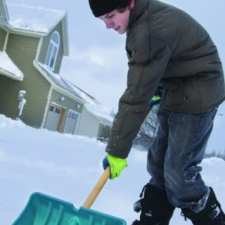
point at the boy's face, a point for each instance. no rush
(117, 20)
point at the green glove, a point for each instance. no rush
(116, 164)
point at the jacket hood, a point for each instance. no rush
(139, 8)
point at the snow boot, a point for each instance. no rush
(212, 214)
(154, 207)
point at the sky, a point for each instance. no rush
(67, 167)
(97, 62)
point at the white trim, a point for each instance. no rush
(58, 105)
(6, 41)
(25, 33)
(10, 75)
(53, 50)
(47, 107)
(38, 50)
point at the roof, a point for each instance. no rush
(36, 21)
(99, 111)
(8, 68)
(91, 104)
(58, 80)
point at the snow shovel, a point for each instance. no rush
(46, 210)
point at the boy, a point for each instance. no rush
(166, 47)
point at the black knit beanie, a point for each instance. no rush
(101, 7)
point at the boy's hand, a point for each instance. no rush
(116, 165)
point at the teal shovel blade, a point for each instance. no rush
(46, 210)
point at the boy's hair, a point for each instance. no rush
(101, 7)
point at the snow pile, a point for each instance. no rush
(8, 68)
(37, 19)
(68, 166)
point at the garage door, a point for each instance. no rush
(71, 121)
(53, 117)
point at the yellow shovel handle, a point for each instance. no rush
(97, 189)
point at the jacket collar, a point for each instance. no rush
(139, 8)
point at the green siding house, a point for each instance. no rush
(33, 42)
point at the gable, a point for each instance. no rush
(36, 19)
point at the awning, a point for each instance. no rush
(8, 68)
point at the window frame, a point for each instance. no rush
(53, 49)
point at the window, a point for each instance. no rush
(72, 114)
(53, 49)
(54, 109)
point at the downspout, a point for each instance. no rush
(39, 49)
(6, 41)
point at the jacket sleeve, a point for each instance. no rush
(144, 75)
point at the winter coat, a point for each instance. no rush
(165, 46)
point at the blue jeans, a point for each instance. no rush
(174, 157)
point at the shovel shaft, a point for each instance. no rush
(97, 189)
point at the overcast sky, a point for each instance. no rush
(97, 61)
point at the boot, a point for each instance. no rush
(212, 214)
(154, 207)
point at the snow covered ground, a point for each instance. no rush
(67, 167)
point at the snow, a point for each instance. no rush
(35, 19)
(67, 167)
(8, 68)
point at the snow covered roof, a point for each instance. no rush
(100, 111)
(8, 68)
(91, 104)
(57, 79)
(36, 19)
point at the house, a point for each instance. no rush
(33, 42)
(95, 120)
